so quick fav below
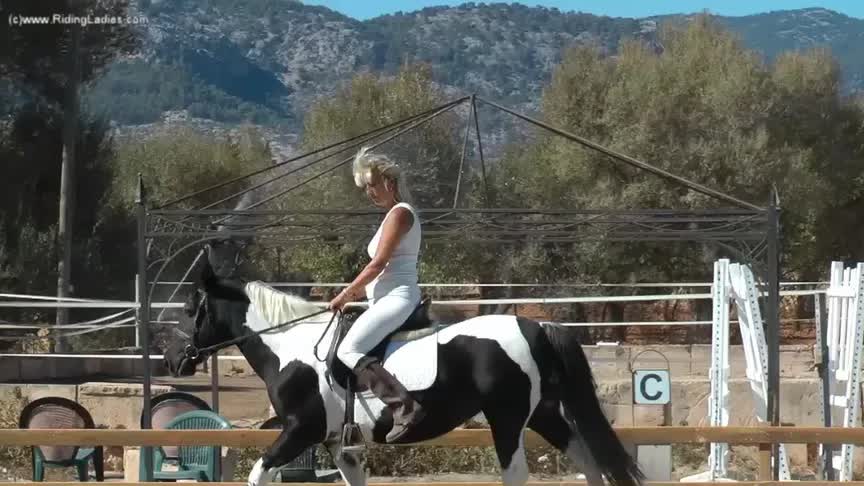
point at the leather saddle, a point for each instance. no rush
(416, 326)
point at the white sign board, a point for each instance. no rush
(651, 387)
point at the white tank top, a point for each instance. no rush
(402, 267)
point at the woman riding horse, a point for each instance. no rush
(390, 284)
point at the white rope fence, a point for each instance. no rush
(77, 325)
(107, 304)
(115, 320)
(538, 285)
(103, 327)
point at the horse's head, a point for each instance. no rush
(216, 308)
(225, 256)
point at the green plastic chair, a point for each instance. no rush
(193, 462)
(61, 413)
(163, 409)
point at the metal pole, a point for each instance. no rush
(67, 182)
(773, 321)
(144, 325)
(214, 390)
(480, 146)
(462, 159)
(825, 378)
(214, 382)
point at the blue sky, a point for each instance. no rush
(364, 9)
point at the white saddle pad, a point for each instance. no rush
(413, 362)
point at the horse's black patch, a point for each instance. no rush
(261, 358)
(484, 378)
(443, 413)
(231, 315)
(544, 356)
(546, 419)
(298, 403)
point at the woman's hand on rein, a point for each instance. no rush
(338, 302)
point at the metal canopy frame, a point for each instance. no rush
(746, 230)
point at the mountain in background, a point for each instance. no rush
(266, 61)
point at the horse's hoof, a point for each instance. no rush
(258, 476)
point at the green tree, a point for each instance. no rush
(708, 109)
(705, 108)
(182, 161)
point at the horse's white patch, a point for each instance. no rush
(414, 363)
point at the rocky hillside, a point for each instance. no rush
(775, 32)
(266, 61)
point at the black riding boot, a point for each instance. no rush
(406, 411)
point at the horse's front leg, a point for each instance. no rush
(286, 448)
(352, 466)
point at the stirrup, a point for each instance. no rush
(352, 439)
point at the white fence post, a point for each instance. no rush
(718, 401)
(736, 282)
(137, 315)
(845, 341)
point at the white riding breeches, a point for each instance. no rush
(383, 316)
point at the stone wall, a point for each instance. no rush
(21, 369)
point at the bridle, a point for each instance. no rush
(193, 352)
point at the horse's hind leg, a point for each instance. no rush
(549, 422)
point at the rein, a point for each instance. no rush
(315, 349)
(193, 353)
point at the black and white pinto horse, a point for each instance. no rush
(515, 371)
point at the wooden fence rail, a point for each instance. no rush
(754, 436)
(485, 483)
(761, 437)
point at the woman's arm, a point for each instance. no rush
(397, 224)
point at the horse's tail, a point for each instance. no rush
(581, 403)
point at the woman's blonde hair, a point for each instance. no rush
(368, 167)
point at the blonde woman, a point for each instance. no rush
(390, 284)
